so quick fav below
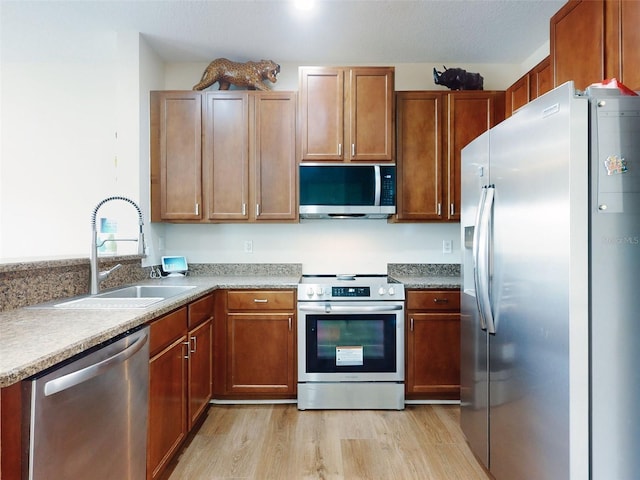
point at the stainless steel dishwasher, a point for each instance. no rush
(89, 416)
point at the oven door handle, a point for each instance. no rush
(326, 308)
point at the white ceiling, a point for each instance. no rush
(335, 31)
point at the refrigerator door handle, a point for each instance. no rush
(475, 254)
(484, 259)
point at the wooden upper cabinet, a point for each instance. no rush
(622, 27)
(535, 82)
(595, 39)
(540, 78)
(518, 94)
(250, 156)
(578, 43)
(347, 114)
(321, 113)
(223, 156)
(470, 113)
(419, 155)
(433, 127)
(274, 157)
(226, 155)
(371, 114)
(176, 166)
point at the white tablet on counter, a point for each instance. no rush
(174, 265)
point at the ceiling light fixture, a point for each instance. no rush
(304, 5)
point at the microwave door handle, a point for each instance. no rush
(378, 185)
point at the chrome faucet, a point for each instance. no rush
(96, 275)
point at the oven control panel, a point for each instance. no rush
(331, 292)
(351, 291)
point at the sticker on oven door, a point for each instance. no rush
(349, 356)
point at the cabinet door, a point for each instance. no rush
(623, 41)
(371, 115)
(517, 95)
(11, 431)
(200, 358)
(419, 155)
(274, 157)
(322, 113)
(167, 425)
(469, 115)
(433, 355)
(260, 353)
(226, 155)
(176, 155)
(578, 43)
(540, 79)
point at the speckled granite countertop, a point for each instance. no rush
(425, 275)
(33, 339)
(429, 281)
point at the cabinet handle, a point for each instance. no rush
(260, 300)
(194, 343)
(411, 328)
(452, 209)
(353, 149)
(257, 209)
(244, 209)
(440, 300)
(187, 345)
(197, 209)
(439, 209)
(289, 323)
(340, 149)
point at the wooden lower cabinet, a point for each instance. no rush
(180, 369)
(433, 344)
(167, 426)
(255, 345)
(11, 432)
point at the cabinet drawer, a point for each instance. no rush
(167, 329)
(261, 300)
(200, 310)
(434, 300)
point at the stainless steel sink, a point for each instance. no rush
(145, 291)
(134, 296)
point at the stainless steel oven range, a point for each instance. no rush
(350, 342)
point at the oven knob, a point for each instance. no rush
(319, 291)
(381, 291)
(309, 291)
(392, 291)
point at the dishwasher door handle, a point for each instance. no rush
(79, 376)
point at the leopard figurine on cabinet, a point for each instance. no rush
(249, 74)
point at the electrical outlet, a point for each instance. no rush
(447, 246)
(248, 246)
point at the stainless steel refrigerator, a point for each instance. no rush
(550, 378)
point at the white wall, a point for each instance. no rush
(74, 130)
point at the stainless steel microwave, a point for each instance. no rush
(347, 190)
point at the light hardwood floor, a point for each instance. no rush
(278, 442)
